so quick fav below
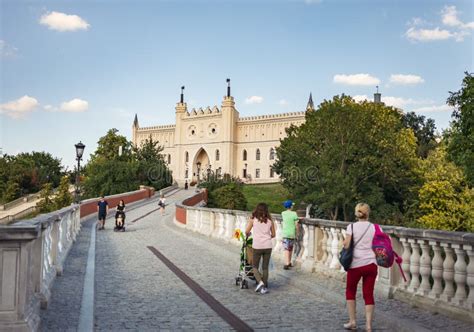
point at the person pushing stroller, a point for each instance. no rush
(120, 217)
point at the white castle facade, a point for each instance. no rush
(219, 140)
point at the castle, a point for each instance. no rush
(218, 140)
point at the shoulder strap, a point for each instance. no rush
(362, 234)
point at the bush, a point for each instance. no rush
(229, 196)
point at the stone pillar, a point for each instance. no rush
(425, 268)
(406, 260)
(436, 271)
(460, 275)
(448, 273)
(414, 265)
(308, 263)
(470, 277)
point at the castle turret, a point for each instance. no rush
(135, 127)
(230, 116)
(310, 105)
(377, 96)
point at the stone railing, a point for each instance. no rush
(32, 254)
(19, 201)
(438, 265)
(11, 218)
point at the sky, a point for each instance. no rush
(71, 70)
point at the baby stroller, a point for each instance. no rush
(245, 271)
(119, 221)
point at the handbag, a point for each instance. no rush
(345, 256)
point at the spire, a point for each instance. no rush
(377, 96)
(182, 95)
(310, 105)
(135, 121)
(228, 87)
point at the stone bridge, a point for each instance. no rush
(176, 272)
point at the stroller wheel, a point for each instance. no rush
(244, 284)
(237, 281)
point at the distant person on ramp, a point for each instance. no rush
(162, 204)
(103, 210)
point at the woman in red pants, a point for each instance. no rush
(363, 266)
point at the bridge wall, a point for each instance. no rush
(438, 265)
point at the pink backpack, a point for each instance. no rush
(384, 253)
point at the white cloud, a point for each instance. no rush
(6, 50)
(422, 35)
(433, 108)
(63, 22)
(356, 79)
(360, 98)
(19, 108)
(75, 105)
(450, 16)
(406, 79)
(283, 102)
(254, 100)
(458, 30)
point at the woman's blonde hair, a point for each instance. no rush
(362, 211)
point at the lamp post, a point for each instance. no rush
(198, 164)
(79, 152)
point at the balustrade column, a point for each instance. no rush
(460, 275)
(329, 246)
(406, 261)
(324, 241)
(448, 272)
(336, 233)
(436, 271)
(425, 268)
(470, 276)
(414, 265)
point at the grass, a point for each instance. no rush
(273, 194)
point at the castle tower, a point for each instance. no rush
(230, 116)
(135, 127)
(377, 96)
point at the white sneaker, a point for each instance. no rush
(264, 290)
(259, 286)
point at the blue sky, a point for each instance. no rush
(70, 70)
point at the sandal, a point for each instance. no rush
(350, 326)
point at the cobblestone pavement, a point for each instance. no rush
(135, 290)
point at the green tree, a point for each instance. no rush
(109, 145)
(63, 196)
(424, 130)
(214, 181)
(461, 134)
(46, 203)
(230, 197)
(12, 191)
(445, 201)
(347, 152)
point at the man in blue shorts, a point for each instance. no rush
(103, 210)
(290, 231)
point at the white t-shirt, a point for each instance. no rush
(362, 253)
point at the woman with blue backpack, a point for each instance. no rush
(360, 236)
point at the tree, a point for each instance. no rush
(461, 134)
(348, 152)
(214, 181)
(63, 196)
(12, 191)
(424, 130)
(46, 203)
(109, 145)
(445, 201)
(230, 197)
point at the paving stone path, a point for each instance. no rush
(134, 290)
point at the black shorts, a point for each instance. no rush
(102, 216)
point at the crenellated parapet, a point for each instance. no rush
(200, 112)
(281, 116)
(154, 128)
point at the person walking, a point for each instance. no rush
(120, 210)
(290, 231)
(103, 210)
(263, 230)
(363, 266)
(162, 204)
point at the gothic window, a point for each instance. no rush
(272, 153)
(169, 159)
(244, 155)
(257, 155)
(257, 173)
(272, 172)
(218, 155)
(186, 156)
(219, 171)
(186, 174)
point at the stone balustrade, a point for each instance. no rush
(32, 254)
(438, 265)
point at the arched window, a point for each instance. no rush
(272, 153)
(257, 155)
(244, 155)
(169, 159)
(218, 155)
(272, 172)
(186, 156)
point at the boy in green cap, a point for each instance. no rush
(290, 231)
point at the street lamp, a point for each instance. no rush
(198, 164)
(79, 152)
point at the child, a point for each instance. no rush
(290, 231)
(162, 204)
